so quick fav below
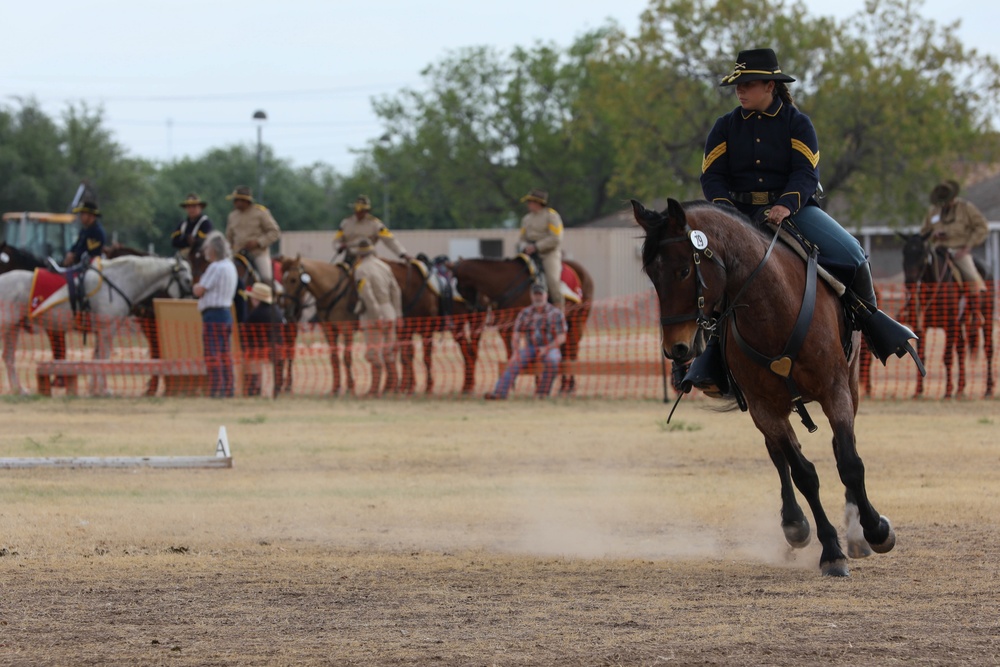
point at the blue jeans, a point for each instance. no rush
(216, 333)
(522, 357)
(839, 250)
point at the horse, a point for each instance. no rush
(702, 259)
(116, 285)
(15, 259)
(330, 289)
(935, 300)
(501, 285)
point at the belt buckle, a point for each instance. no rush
(759, 198)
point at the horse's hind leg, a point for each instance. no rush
(876, 529)
(428, 339)
(793, 521)
(9, 355)
(778, 433)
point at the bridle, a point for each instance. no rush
(305, 282)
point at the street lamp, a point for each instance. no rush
(259, 117)
(386, 141)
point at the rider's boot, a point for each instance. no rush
(707, 372)
(884, 335)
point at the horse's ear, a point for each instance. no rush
(646, 218)
(902, 236)
(675, 213)
(926, 235)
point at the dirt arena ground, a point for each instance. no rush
(462, 533)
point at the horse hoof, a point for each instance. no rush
(859, 549)
(797, 533)
(889, 542)
(836, 568)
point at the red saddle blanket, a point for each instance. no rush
(572, 281)
(44, 284)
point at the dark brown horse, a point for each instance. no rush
(703, 259)
(502, 285)
(935, 299)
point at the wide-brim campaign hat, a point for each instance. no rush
(261, 292)
(87, 207)
(756, 65)
(362, 203)
(193, 200)
(536, 195)
(944, 192)
(241, 192)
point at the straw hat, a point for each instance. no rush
(536, 195)
(261, 292)
(241, 192)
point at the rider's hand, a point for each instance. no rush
(252, 244)
(778, 213)
(405, 257)
(529, 249)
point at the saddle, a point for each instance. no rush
(47, 283)
(569, 282)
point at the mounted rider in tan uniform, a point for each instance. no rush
(252, 229)
(380, 304)
(958, 225)
(541, 235)
(364, 225)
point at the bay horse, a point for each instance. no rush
(702, 259)
(116, 285)
(935, 299)
(502, 285)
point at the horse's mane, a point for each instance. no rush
(726, 214)
(23, 255)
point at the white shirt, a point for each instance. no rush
(219, 281)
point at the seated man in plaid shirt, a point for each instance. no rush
(542, 327)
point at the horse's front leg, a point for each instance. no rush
(794, 523)
(960, 354)
(405, 347)
(102, 352)
(9, 356)
(949, 361)
(348, 334)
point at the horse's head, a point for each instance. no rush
(673, 256)
(181, 280)
(916, 256)
(467, 283)
(295, 287)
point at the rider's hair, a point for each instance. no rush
(219, 245)
(781, 91)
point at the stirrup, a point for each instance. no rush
(886, 337)
(707, 373)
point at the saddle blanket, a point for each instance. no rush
(572, 290)
(44, 286)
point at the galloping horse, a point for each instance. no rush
(502, 285)
(934, 300)
(704, 259)
(330, 288)
(116, 286)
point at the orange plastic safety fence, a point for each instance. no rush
(618, 356)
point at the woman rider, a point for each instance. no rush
(762, 158)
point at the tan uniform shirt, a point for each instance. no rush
(256, 223)
(543, 228)
(963, 224)
(379, 296)
(369, 227)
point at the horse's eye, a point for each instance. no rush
(684, 273)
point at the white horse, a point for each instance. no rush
(114, 286)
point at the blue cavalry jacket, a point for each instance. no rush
(90, 241)
(774, 151)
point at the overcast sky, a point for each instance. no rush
(177, 78)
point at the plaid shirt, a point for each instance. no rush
(540, 327)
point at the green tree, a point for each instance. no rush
(487, 130)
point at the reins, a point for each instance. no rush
(781, 364)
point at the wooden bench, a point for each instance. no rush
(71, 370)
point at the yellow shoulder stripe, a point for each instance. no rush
(805, 150)
(712, 156)
(361, 284)
(385, 233)
(555, 229)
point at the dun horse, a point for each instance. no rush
(114, 288)
(503, 286)
(936, 300)
(702, 259)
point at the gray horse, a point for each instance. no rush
(114, 286)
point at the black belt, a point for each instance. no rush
(756, 198)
